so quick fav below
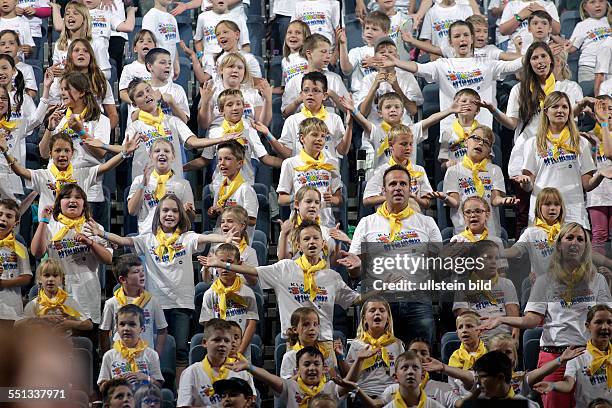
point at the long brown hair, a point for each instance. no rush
(531, 92)
(541, 141)
(81, 83)
(94, 73)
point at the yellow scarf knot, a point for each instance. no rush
(400, 403)
(69, 114)
(551, 230)
(549, 87)
(476, 169)
(308, 391)
(140, 301)
(225, 292)
(6, 124)
(224, 371)
(298, 346)
(228, 188)
(162, 180)
(462, 358)
(385, 143)
(408, 166)
(321, 114)
(310, 285)
(238, 128)
(377, 344)
(460, 131)
(166, 244)
(130, 353)
(156, 121)
(299, 220)
(600, 358)
(314, 164)
(469, 235)
(45, 303)
(10, 242)
(487, 293)
(69, 224)
(62, 177)
(562, 142)
(570, 280)
(395, 220)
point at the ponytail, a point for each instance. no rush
(19, 89)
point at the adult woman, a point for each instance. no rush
(561, 298)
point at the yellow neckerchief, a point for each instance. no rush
(130, 353)
(377, 344)
(476, 168)
(228, 188)
(399, 402)
(10, 242)
(156, 121)
(571, 281)
(140, 301)
(321, 114)
(510, 394)
(395, 220)
(549, 87)
(385, 143)
(69, 114)
(460, 131)
(232, 129)
(62, 177)
(299, 220)
(223, 292)
(312, 163)
(243, 244)
(425, 380)
(69, 223)
(561, 142)
(223, 370)
(551, 230)
(487, 293)
(310, 285)
(162, 179)
(166, 244)
(598, 132)
(6, 124)
(463, 359)
(413, 173)
(600, 358)
(239, 356)
(309, 392)
(298, 346)
(469, 235)
(45, 303)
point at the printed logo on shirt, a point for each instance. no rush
(76, 139)
(15, 114)
(167, 31)
(458, 150)
(314, 178)
(209, 34)
(599, 33)
(597, 378)
(99, 22)
(149, 136)
(69, 247)
(394, 32)
(118, 368)
(9, 263)
(542, 246)
(478, 302)
(402, 239)
(314, 19)
(179, 251)
(564, 156)
(366, 70)
(467, 185)
(294, 70)
(380, 363)
(586, 297)
(249, 111)
(440, 27)
(296, 289)
(208, 392)
(51, 186)
(461, 79)
(233, 308)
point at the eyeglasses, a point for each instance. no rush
(478, 211)
(312, 90)
(151, 401)
(479, 139)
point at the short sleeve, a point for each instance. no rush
(108, 318)
(510, 296)
(587, 164)
(37, 180)
(244, 32)
(572, 368)
(426, 30)
(105, 368)
(429, 71)
(125, 78)
(512, 110)
(140, 243)
(154, 365)
(199, 31)
(578, 35)
(497, 178)
(208, 305)
(288, 365)
(291, 91)
(529, 161)
(251, 204)
(272, 275)
(158, 316)
(374, 186)
(537, 297)
(358, 238)
(102, 130)
(258, 148)
(285, 181)
(289, 133)
(109, 99)
(180, 97)
(451, 183)
(354, 57)
(604, 54)
(183, 130)
(186, 387)
(345, 296)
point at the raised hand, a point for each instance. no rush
(339, 235)
(351, 261)
(260, 127)
(188, 51)
(264, 88)
(543, 387)
(179, 8)
(83, 239)
(602, 114)
(56, 117)
(521, 179)
(571, 353)
(486, 104)
(285, 226)
(207, 90)
(189, 207)
(489, 323)
(48, 79)
(433, 365)
(347, 103)
(91, 229)
(341, 35)
(205, 260)
(510, 201)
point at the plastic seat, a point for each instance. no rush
(82, 342)
(260, 236)
(275, 71)
(262, 252)
(167, 362)
(263, 215)
(569, 19)
(448, 348)
(130, 222)
(262, 65)
(197, 354)
(447, 234)
(441, 210)
(431, 95)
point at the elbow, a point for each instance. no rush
(86, 325)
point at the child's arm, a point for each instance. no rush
(134, 203)
(439, 116)
(161, 340)
(195, 142)
(177, 67)
(200, 75)
(13, 163)
(282, 250)
(83, 325)
(426, 46)
(513, 310)
(565, 386)
(366, 105)
(264, 88)
(247, 336)
(501, 117)
(348, 104)
(345, 144)
(568, 354)
(130, 21)
(278, 147)
(599, 78)
(423, 201)
(129, 146)
(271, 161)
(388, 62)
(195, 164)
(91, 228)
(498, 199)
(292, 107)
(466, 377)
(274, 382)
(104, 255)
(123, 95)
(216, 238)
(180, 8)
(176, 109)
(205, 110)
(345, 63)
(243, 269)
(38, 247)
(58, 21)
(20, 280)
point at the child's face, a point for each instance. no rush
(310, 206)
(135, 277)
(600, 326)
(72, 205)
(219, 5)
(376, 316)
(386, 4)
(6, 6)
(219, 343)
(489, 259)
(392, 111)
(150, 401)
(481, 35)
(409, 373)
(314, 142)
(50, 281)
(386, 50)
(308, 329)
(92, 4)
(227, 163)
(6, 72)
(228, 39)
(479, 146)
(129, 328)
(143, 45)
(469, 105)
(80, 56)
(572, 245)
(402, 146)
(233, 74)
(70, 96)
(461, 40)
(227, 277)
(295, 37)
(9, 45)
(310, 369)
(372, 32)
(73, 20)
(4, 102)
(121, 397)
(421, 349)
(235, 399)
(558, 114)
(508, 349)
(319, 56)
(144, 97)
(169, 214)
(162, 156)
(236, 335)
(540, 62)
(475, 215)
(233, 109)
(540, 28)
(164, 3)
(229, 221)
(551, 210)
(310, 242)
(313, 95)
(489, 384)
(467, 330)
(595, 8)
(160, 68)
(8, 219)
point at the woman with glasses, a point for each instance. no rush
(148, 396)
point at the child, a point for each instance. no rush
(230, 299)
(304, 332)
(236, 336)
(11, 21)
(398, 19)
(235, 393)
(539, 29)
(167, 250)
(144, 41)
(129, 272)
(165, 28)
(322, 16)
(196, 383)
(514, 20)
(603, 68)
(34, 11)
(439, 18)
(117, 393)
(357, 62)
(130, 357)
(148, 395)
(15, 265)
(471, 349)
(10, 44)
(157, 180)
(501, 300)
(294, 61)
(53, 303)
(158, 62)
(316, 48)
(312, 167)
(589, 34)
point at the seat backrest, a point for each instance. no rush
(279, 352)
(197, 354)
(448, 349)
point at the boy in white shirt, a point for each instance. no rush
(322, 16)
(9, 20)
(514, 20)
(398, 19)
(144, 41)
(158, 62)
(205, 39)
(165, 27)
(439, 18)
(539, 29)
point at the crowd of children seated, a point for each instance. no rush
(483, 126)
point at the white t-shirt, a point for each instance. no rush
(293, 65)
(154, 319)
(165, 28)
(378, 136)
(439, 18)
(252, 101)
(356, 56)
(100, 53)
(212, 68)
(175, 185)
(179, 95)
(292, 394)
(119, 12)
(603, 63)
(588, 385)
(534, 241)
(501, 262)
(294, 87)
(291, 129)
(436, 390)
(169, 281)
(418, 186)
(563, 322)
(588, 36)
(602, 194)
(488, 51)
(195, 387)
(458, 179)
(374, 379)
(114, 365)
(606, 87)
(514, 7)
(289, 365)
(132, 71)
(564, 174)
(21, 25)
(13, 266)
(81, 267)
(103, 24)
(397, 21)
(287, 280)
(450, 146)
(205, 31)
(31, 310)
(322, 16)
(235, 312)
(28, 75)
(245, 196)
(34, 22)
(323, 180)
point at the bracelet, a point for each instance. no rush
(125, 155)
(45, 220)
(518, 18)
(603, 124)
(559, 360)
(355, 112)
(105, 235)
(554, 388)
(199, 54)
(270, 137)
(228, 266)
(497, 112)
(81, 132)
(140, 186)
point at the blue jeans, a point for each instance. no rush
(413, 320)
(179, 323)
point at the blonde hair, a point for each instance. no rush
(585, 270)
(305, 34)
(541, 141)
(470, 316)
(500, 339)
(363, 326)
(477, 19)
(299, 196)
(66, 35)
(397, 130)
(548, 193)
(309, 125)
(584, 15)
(230, 60)
(479, 199)
(487, 132)
(50, 265)
(241, 217)
(226, 94)
(561, 62)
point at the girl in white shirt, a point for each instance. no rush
(589, 34)
(293, 62)
(10, 44)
